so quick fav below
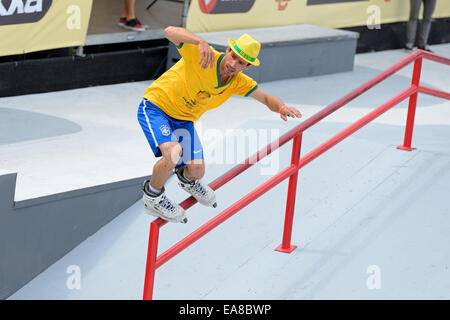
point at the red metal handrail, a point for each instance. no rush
(154, 261)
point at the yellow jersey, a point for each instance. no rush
(186, 91)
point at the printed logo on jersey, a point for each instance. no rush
(191, 104)
(202, 95)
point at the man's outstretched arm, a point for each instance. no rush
(275, 104)
(178, 35)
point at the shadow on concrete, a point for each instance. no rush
(19, 125)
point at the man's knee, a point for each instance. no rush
(171, 152)
(195, 170)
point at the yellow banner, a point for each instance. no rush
(217, 15)
(34, 25)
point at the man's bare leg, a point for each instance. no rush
(154, 198)
(171, 153)
(195, 169)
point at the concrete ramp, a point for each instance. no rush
(35, 233)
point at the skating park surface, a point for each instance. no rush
(371, 221)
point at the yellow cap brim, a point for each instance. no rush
(255, 63)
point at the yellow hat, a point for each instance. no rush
(247, 48)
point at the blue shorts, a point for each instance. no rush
(158, 128)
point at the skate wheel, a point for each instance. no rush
(185, 220)
(215, 205)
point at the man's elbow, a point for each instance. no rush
(168, 31)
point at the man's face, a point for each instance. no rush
(233, 64)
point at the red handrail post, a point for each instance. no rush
(286, 246)
(412, 107)
(151, 261)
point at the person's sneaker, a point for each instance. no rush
(409, 47)
(425, 48)
(162, 207)
(198, 189)
(122, 21)
(135, 24)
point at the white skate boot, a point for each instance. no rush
(162, 207)
(198, 189)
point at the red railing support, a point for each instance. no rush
(286, 246)
(434, 92)
(412, 107)
(224, 215)
(151, 260)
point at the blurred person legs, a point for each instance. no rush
(128, 19)
(429, 6)
(411, 27)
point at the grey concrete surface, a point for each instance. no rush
(362, 206)
(28, 125)
(36, 233)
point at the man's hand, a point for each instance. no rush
(275, 104)
(286, 111)
(206, 54)
(178, 35)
